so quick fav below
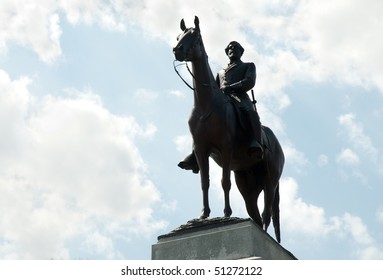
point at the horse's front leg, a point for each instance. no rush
(226, 182)
(203, 163)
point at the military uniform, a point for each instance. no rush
(241, 78)
(236, 80)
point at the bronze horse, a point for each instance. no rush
(217, 132)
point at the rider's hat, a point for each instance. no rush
(234, 43)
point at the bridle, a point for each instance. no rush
(197, 41)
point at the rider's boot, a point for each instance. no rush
(190, 163)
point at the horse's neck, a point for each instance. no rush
(204, 84)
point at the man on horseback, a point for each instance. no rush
(235, 80)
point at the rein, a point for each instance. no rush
(175, 69)
(190, 72)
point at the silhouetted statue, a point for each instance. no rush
(235, 80)
(219, 124)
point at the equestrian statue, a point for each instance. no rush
(225, 126)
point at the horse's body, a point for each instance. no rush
(216, 131)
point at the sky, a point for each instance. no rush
(93, 122)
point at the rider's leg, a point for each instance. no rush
(255, 148)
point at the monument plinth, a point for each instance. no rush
(219, 239)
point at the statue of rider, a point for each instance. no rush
(235, 80)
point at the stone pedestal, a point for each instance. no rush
(219, 239)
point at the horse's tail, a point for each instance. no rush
(276, 223)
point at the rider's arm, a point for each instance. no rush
(248, 81)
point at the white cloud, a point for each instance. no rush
(183, 143)
(294, 157)
(358, 230)
(358, 137)
(295, 40)
(299, 217)
(74, 167)
(270, 119)
(304, 219)
(331, 28)
(347, 157)
(102, 245)
(366, 245)
(103, 13)
(14, 102)
(362, 143)
(33, 24)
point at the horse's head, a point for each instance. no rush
(189, 45)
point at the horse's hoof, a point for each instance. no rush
(264, 227)
(227, 214)
(204, 215)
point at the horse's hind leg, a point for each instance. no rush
(269, 196)
(250, 191)
(276, 224)
(252, 206)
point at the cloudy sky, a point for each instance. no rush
(93, 121)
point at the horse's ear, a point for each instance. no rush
(182, 25)
(196, 22)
